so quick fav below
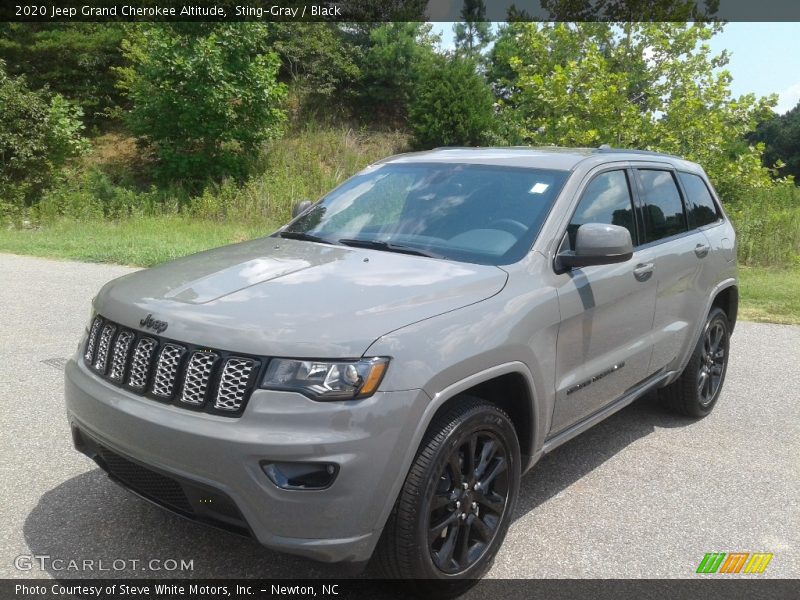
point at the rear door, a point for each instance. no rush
(679, 255)
(604, 339)
(704, 214)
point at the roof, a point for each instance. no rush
(548, 157)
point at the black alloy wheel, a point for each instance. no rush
(714, 358)
(456, 503)
(469, 502)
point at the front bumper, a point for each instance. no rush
(369, 440)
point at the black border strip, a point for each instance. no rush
(705, 588)
(350, 11)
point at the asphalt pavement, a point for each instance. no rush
(642, 495)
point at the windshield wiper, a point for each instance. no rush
(306, 237)
(387, 247)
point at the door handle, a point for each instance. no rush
(643, 271)
(701, 250)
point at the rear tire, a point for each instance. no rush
(696, 391)
(456, 504)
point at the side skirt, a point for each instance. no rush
(637, 391)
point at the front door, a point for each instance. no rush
(605, 336)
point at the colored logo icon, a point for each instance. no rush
(734, 562)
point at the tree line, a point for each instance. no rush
(201, 99)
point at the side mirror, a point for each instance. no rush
(300, 207)
(598, 244)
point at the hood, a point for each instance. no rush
(279, 297)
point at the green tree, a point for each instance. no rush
(616, 11)
(76, 60)
(634, 85)
(499, 70)
(204, 95)
(397, 55)
(38, 134)
(317, 59)
(780, 135)
(375, 11)
(475, 32)
(452, 105)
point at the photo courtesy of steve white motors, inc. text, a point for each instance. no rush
(166, 12)
(169, 590)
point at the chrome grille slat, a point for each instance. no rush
(119, 358)
(167, 369)
(186, 375)
(140, 364)
(91, 343)
(233, 383)
(104, 346)
(198, 373)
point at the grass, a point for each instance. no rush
(144, 241)
(107, 211)
(767, 225)
(769, 295)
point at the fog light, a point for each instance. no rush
(301, 476)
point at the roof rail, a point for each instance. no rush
(606, 149)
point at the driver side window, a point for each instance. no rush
(607, 199)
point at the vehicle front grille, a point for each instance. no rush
(140, 365)
(182, 374)
(233, 383)
(120, 356)
(167, 369)
(104, 346)
(198, 373)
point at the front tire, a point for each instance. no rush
(696, 391)
(456, 504)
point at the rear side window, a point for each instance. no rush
(700, 206)
(662, 207)
(607, 199)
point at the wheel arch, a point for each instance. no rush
(509, 386)
(530, 423)
(724, 295)
(727, 299)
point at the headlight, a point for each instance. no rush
(326, 380)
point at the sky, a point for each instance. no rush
(764, 58)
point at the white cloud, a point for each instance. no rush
(788, 98)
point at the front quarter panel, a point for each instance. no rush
(513, 331)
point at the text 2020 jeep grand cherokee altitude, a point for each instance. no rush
(374, 377)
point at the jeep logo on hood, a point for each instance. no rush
(150, 323)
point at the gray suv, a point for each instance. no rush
(371, 380)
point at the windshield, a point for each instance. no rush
(470, 213)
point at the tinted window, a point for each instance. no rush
(700, 205)
(662, 206)
(473, 213)
(607, 199)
